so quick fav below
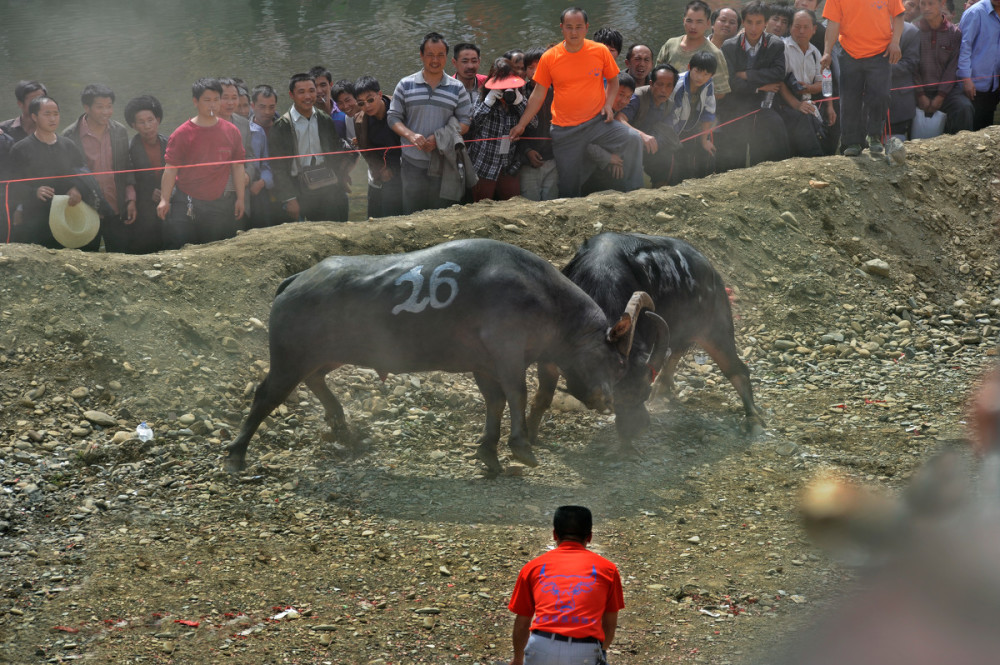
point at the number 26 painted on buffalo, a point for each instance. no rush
(415, 303)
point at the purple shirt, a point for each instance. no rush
(939, 51)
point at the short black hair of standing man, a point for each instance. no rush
(566, 600)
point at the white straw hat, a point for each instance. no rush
(73, 226)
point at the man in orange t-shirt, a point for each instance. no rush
(869, 32)
(577, 70)
(573, 594)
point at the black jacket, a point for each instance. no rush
(281, 143)
(768, 67)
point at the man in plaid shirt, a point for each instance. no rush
(940, 43)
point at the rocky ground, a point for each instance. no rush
(867, 308)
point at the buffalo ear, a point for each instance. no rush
(619, 335)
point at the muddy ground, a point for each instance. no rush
(114, 550)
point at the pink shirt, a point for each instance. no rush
(97, 150)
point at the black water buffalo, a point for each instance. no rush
(690, 297)
(477, 306)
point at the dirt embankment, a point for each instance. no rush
(407, 554)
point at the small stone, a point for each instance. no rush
(187, 419)
(152, 274)
(798, 600)
(444, 571)
(121, 437)
(428, 622)
(79, 393)
(789, 217)
(786, 449)
(876, 267)
(694, 539)
(428, 610)
(784, 345)
(168, 646)
(326, 639)
(100, 418)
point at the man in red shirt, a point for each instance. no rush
(199, 209)
(573, 594)
(577, 69)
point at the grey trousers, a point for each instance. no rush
(569, 146)
(546, 651)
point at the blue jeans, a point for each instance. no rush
(420, 191)
(864, 96)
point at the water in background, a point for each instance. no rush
(160, 48)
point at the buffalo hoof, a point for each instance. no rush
(522, 453)
(234, 463)
(753, 426)
(488, 456)
(627, 450)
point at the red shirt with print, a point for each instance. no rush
(193, 144)
(568, 590)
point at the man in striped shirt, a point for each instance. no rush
(422, 104)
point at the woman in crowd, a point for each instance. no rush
(499, 108)
(147, 148)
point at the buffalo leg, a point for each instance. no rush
(495, 403)
(723, 352)
(516, 391)
(334, 412)
(272, 391)
(548, 377)
(664, 383)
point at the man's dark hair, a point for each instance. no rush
(574, 10)
(298, 78)
(143, 103)
(610, 38)
(625, 80)
(367, 84)
(433, 38)
(466, 46)
(95, 90)
(25, 88)
(513, 53)
(698, 5)
(573, 523)
(659, 69)
(808, 12)
(227, 82)
(201, 85)
(756, 8)
(715, 17)
(533, 55)
(321, 71)
(242, 91)
(36, 104)
(704, 61)
(262, 89)
(632, 48)
(782, 10)
(340, 87)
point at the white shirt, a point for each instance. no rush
(306, 139)
(805, 66)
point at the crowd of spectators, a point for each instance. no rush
(744, 84)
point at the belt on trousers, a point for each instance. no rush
(565, 638)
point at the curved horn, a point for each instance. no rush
(624, 331)
(661, 349)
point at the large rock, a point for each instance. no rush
(100, 418)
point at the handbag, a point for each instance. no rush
(317, 176)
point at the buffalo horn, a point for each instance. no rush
(639, 301)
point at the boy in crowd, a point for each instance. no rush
(371, 127)
(198, 209)
(104, 143)
(756, 63)
(610, 38)
(649, 112)
(324, 84)
(539, 177)
(678, 50)
(694, 113)
(780, 21)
